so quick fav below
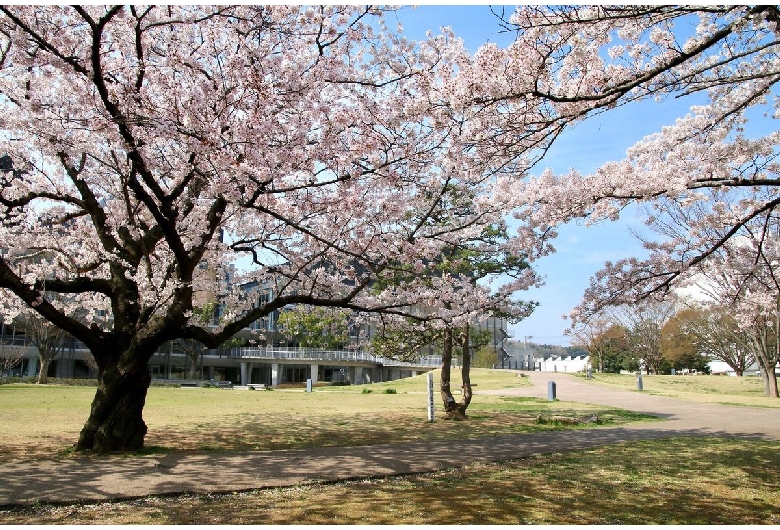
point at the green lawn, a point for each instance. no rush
(210, 419)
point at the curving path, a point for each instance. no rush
(93, 479)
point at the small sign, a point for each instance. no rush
(430, 397)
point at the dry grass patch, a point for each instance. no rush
(675, 481)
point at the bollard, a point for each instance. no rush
(551, 390)
(590, 373)
(430, 397)
(639, 381)
(308, 385)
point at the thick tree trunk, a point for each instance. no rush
(772, 390)
(116, 421)
(767, 369)
(766, 354)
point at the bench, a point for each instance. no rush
(257, 386)
(220, 384)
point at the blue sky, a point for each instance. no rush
(581, 251)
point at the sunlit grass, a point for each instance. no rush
(677, 481)
(201, 419)
(47, 418)
(724, 390)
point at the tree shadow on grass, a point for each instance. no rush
(678, 480)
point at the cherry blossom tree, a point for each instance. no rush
(748, 288)
(738, 276)
(711, 176)
(147, 150)
(597, 58)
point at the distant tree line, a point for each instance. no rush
(681, 335)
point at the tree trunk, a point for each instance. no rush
(772, 390)
(765, 352)
(116, 421)
(446, 367)
(768, 376)
(192, 355)
(466, 372)
(452, 409)
(43, 375)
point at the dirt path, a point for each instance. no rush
(93, 479)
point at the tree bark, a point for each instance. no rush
(43, 374)
(767, 369)
(193, 352)
(446, 367)
(455, 410)
(116, 419)
(765, 352)
(772, 390)
(466, 371)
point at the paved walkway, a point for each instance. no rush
(93, 479)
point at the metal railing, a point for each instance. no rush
(313, 354)
(316, 354)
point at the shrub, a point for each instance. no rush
(51, 381)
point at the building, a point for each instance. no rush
(273, 362)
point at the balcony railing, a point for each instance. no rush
(316, 354)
